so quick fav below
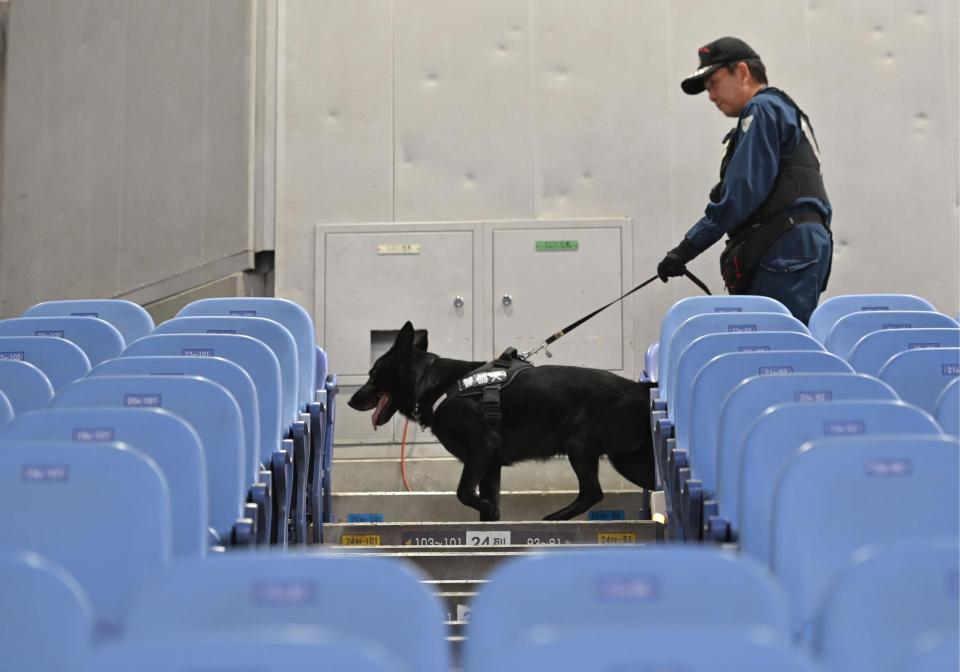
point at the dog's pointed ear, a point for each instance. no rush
(420, 340)
(405, 337)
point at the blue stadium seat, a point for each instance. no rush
(205, 406)
(703, 349)
(828, 312)
(264, 650)
(26, 386)
(664, 589)
(6, 409)
(98, 339)
(289, 314)
(100, 510)
(947, 409)
(248, 353)
(778, 434)
(718, 323)
(272, 334)
(839, 494)
(239, 384)
(363, 599)
(158, 434)
(630, 650)
(130, 319)
(695, 478)
(221, 371)
(325, 412)
(747, 401)
(61, 361)
(262, 365)
(851, 328)
(919, 376)
(871, 352)
(884, 600)
(700, 305)
(47, 621)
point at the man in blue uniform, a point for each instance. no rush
(770, 200)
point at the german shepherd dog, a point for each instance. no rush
(546, 410)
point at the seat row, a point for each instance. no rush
(801, 447)
(719, 357)
(225, 398)
(698, 609)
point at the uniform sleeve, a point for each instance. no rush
(749, 178)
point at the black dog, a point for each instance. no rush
(547, 410)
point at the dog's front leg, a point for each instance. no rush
(473, 472)
(490, 488)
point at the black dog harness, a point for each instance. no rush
(488, 381)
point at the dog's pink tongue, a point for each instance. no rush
(381, 405)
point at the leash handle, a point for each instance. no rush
(566, 330)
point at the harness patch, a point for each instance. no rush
(481, 379)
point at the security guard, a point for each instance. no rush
(770, 200)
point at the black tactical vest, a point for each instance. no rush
(799, 175)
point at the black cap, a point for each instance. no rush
(713, 56)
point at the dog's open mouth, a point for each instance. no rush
(383, 403)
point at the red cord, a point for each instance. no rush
(403, 456)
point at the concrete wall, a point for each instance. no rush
(127, 165)
(432, 110)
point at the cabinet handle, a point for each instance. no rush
(507, 300)
(458, 302)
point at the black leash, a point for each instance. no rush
(566, 330)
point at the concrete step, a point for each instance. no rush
(391, 507)
(457, 605)
(490, 535)
(442, 472)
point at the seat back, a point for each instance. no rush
(919, 376)
(702, 650)
(684, 309)
(705, 348)
(289, 314)
(221, 371)
(828, 312)
(254, 590)
(98, 339)
(204, 405)
(839, 494)
(719, 376)
(41, 598)
(26, 386)
(160, 435)
(100, 510)
(272, 334)
(777, 435)
(248, 353)
(720, 323)
(273, 650)
(871, 352)
(679, 589)
(915, 583)
(130, 319)
(61, 361)
(747, 401)
(849, 329)
(947, 410)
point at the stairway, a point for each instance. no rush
(374, 514)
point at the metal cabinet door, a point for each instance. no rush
(541, 284)
(374, 281)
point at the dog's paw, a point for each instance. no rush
(490, 515)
